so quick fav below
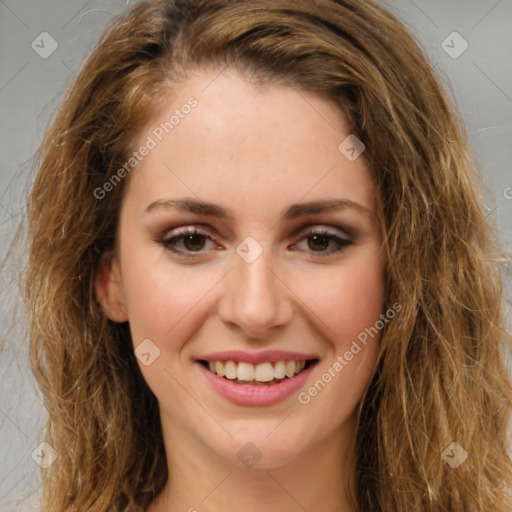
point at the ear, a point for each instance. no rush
(109, 289)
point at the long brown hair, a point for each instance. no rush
(441, 376)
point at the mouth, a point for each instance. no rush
(268, 373)
(256, 379)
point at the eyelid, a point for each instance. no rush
(327, 229)
(185, 230)
(308, 228)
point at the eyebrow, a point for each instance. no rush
(200, 207)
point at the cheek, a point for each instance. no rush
(347, 304)
(164, 301)
(345, 300)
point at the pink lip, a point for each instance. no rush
(256, 396)
(256, 357)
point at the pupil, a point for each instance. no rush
(194, 242)
(316, 238)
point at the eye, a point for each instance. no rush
(188, 239)
(323, 242)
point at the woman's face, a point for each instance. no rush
(249, 172)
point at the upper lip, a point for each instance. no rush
(257, 357)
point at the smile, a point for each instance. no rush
(263, 374)
(256, 380)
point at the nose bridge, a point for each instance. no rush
(255, 300)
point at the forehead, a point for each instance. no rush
(247, 145)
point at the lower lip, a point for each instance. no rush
(256, 396)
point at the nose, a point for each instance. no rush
(255, 300)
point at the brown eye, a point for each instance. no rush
(187, 241)
(194, 242)
(318, 242)
(323, 242)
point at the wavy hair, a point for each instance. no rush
(441, 374)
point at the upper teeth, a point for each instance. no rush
(263, 372)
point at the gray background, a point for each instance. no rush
(480, 81)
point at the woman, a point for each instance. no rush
(259, 275)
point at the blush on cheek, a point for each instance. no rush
(168, 305)
(345, 302)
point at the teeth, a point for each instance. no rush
(263, 372)
(219, 368)
(290, 369)
(231, 370)
(245, 371)
(279, 370)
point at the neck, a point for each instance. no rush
(202, 481)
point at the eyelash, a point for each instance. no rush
(168, 243)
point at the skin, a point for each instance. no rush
(254, 152)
